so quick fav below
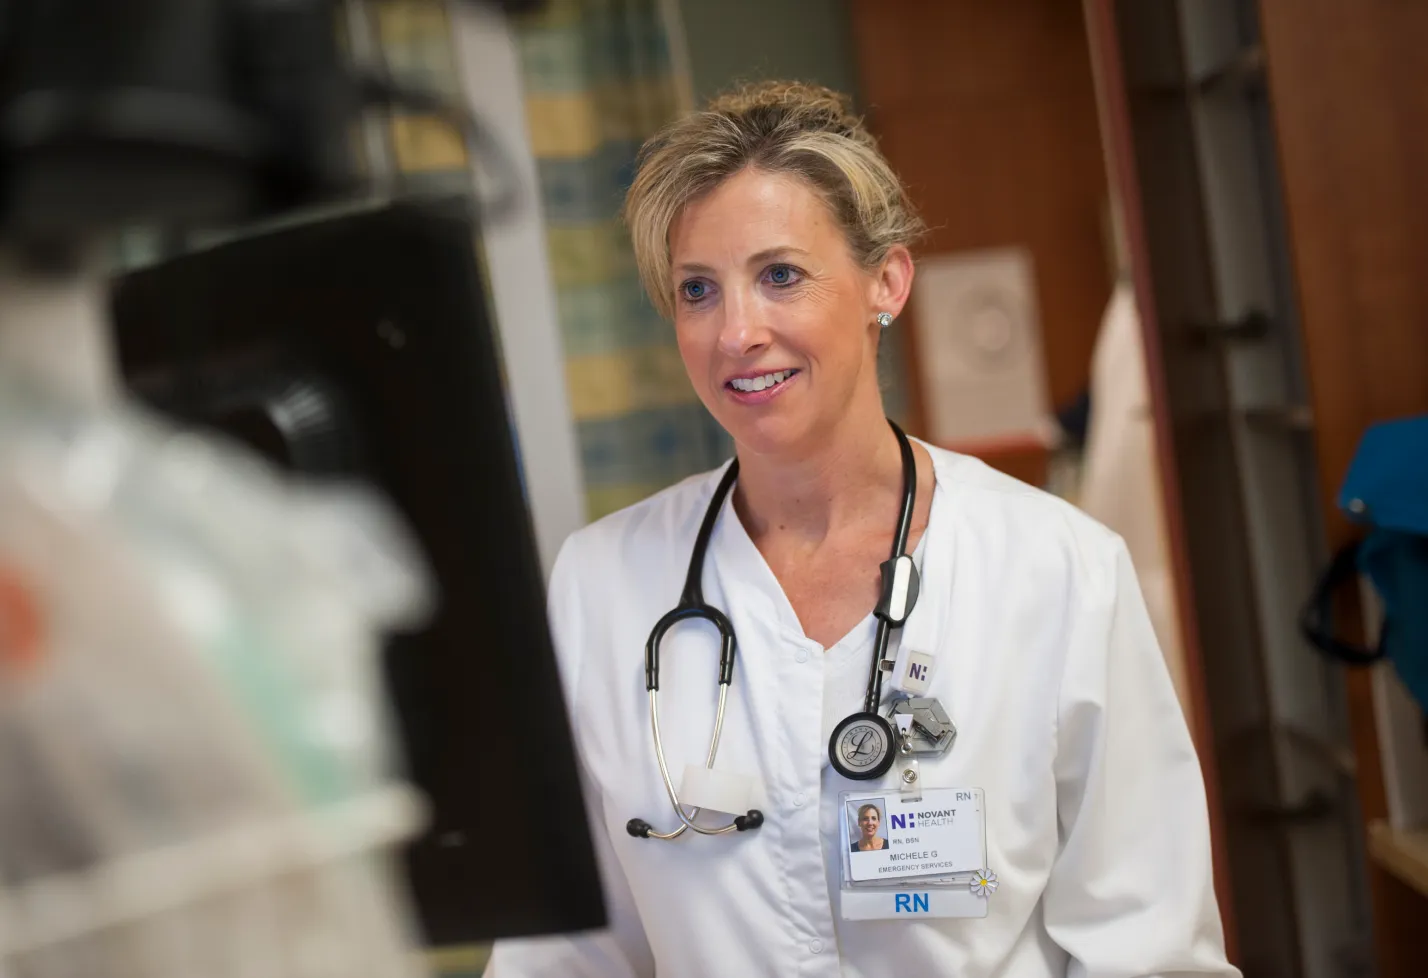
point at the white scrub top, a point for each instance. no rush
(1046, 662)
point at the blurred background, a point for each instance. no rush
(1173, 275)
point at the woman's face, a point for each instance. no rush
(775, 319)
(868, 823)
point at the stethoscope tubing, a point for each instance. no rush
(691, 606)
(687, 820)
(874, 693)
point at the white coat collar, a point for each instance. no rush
(749, 584)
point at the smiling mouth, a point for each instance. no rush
(752, 385)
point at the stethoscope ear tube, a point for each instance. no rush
(685, 613)
(641, 829)
(691, 607)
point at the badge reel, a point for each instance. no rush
(931, 731)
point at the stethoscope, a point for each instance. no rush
(863, 745)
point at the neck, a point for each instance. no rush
(809, 495)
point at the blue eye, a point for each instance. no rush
(693, 291)
(782, 275)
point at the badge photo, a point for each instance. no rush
(867, 826)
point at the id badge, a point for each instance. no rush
(907, 859)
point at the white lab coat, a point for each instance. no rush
(1121, 478)
(1046, 662)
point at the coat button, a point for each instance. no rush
(816, 946)
(801, 655)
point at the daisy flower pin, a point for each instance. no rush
(984, 883)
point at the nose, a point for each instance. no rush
(742, 332)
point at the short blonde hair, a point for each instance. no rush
(778, 127)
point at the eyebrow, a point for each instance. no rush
(768, 254)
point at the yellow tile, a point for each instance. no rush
(633, 380)
(589, 254)
(459, 960)
(405, 22)
(425, 143)
(633, 110)
(553, 13)
(563, 126)
(608, 499)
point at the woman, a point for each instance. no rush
(869, 818)
(775, 236)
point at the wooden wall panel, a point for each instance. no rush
(988, 111)
(1349, 84)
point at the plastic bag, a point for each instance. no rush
(196, 776)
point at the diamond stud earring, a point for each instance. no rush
(884, 319)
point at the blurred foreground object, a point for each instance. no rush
(196, 766)
(197, 773)
(188, 113)
(360, 347)
(168, 112)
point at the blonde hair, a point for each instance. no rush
(778, 127)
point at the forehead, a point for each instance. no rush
(750, 212)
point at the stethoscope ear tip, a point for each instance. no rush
(753, 820)
(639, 828)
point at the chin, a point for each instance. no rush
(773, 434)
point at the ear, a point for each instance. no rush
(892, 281)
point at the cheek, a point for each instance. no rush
(824, 334)
(694, 349)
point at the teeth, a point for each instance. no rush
(760, 383)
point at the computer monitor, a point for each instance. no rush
(360, 345)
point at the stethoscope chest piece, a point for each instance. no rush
(862, 746)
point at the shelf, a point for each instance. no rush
(1404, 854)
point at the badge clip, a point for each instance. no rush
(909, 771)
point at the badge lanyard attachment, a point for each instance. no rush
(909, 771)
(864, 744)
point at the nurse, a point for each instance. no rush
(1063, 823)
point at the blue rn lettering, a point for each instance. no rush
(910, 903)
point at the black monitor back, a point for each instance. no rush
(361, 346)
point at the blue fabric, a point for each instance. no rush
(1387, 482)
(1387, 489)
